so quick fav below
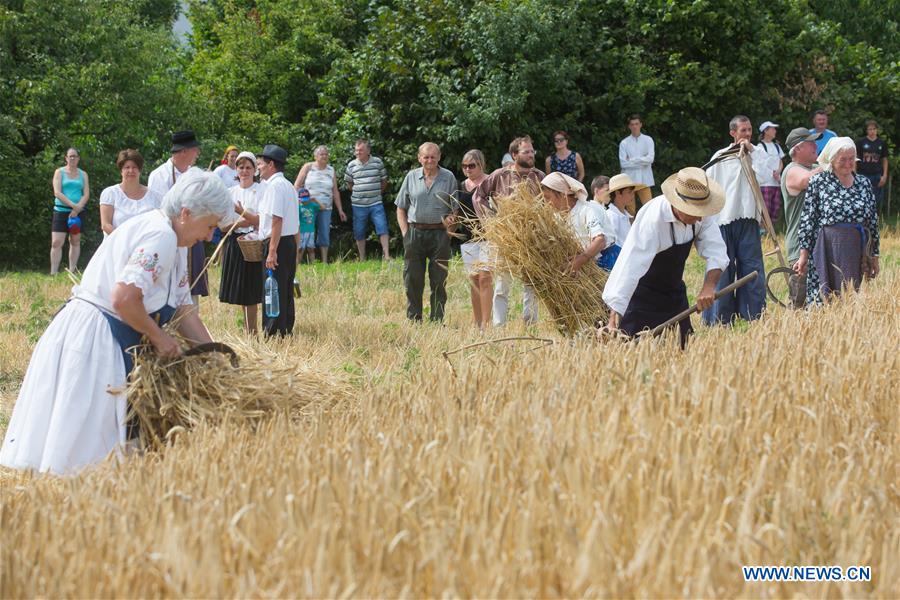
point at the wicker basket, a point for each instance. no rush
(253, 250)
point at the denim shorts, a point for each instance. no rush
(361, 216)
(307, 239)
(323, 228)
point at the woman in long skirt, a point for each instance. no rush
(70, 412)
(240, 279)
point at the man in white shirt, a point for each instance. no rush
(739, 222)
(636, 153)
(279, 223)
(646, 288)
(185, 152)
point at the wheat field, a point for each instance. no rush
(574, 469)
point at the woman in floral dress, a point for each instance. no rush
(838, 224)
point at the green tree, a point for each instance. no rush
(100, 76)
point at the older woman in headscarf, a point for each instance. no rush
(71, 412)
(569, 196)
(838, 225)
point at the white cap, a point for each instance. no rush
(766, 125)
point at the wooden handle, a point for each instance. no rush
(687, 313)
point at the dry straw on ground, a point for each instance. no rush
(535, 243)
(172, 396)
(627, 470)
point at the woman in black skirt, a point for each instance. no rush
(240, 279)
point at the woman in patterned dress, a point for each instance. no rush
(70, 412)
(838, 224)
(562, 160)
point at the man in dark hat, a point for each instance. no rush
(279, 223)
(185, 152)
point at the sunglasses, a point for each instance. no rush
(558, 140)
(469, 165)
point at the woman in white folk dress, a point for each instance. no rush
(120, 202)
(67, 415)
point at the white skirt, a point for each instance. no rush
(65, 417)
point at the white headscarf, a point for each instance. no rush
(832, 148)
(562, 183)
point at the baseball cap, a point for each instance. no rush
(800, 134)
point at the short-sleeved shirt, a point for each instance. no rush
(308, 212)
(142, 252)
(125, 207)
(227, 175)
(249, 199)
(366, 179)
(820, 143)
(771, 154)
(279, 200)
(428, 205)
(588, 220)
(871, 154)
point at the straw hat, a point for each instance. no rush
(692, 192)
(622, 181)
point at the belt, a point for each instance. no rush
(427, 225)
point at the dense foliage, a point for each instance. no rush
(107, 74)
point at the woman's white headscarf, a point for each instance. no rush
(832, 148)
(564, 184)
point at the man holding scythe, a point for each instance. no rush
(646, 288)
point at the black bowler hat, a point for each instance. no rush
(182, 140)
(274, 152)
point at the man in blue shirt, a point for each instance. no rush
(820, 122)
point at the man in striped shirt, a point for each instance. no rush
(367, 180)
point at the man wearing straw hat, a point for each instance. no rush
(503, 182)
(739, 222)
(279, 223)
(185, 152)
(646, 287)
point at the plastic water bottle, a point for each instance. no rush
(271, 296)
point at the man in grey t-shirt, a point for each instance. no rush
(366, 178)
(426, 205)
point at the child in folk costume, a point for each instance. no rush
(619, 196)
(646, 287)
(69, 413)
(568, 196)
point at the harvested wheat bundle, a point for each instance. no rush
(535, 243)
(169, 396)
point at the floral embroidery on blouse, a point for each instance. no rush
(184, 280)
(147, 262)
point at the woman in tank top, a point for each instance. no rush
(568, 162)
(318, 177)
(70, 194)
